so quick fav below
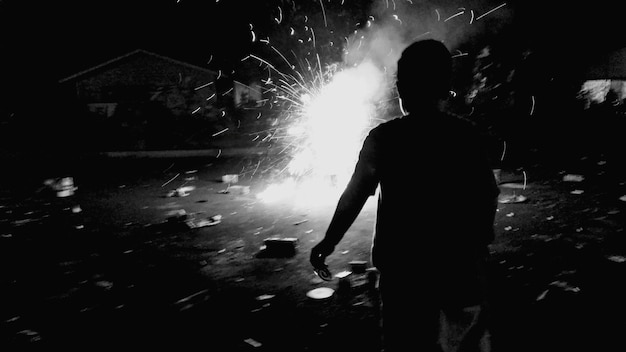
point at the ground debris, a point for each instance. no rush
(265, 297)
(187, 302)
(180, 191)
(514, 185)
(253, 342)
(512, 198)
(565, 286)
(617, 258)
(573, 178)
(211, 221)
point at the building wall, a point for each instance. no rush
(143, 101)
(247, 94)
(142, 78)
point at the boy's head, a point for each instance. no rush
(424, 72)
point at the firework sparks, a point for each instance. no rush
(490, 11)
(280, 16)
(204, 85)
(321, 112)
(455, 15)
(323, 13)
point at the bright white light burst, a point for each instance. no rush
(332, 124)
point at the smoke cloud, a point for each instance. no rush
(394, 25)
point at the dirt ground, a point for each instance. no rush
(123, 269)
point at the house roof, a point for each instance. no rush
(127, 55)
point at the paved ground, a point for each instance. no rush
(117, 273)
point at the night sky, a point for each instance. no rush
(43, 41)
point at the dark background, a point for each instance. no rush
(44, 40)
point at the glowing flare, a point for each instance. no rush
(335, 121)
(329, 131)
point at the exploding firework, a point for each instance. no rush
(326, 106)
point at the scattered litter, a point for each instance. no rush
(201, 223)
(265, 297)
(550, 217)
(221, 251)
(577, 191)
(565, 286)
(239, 190)
(212, 221)
(33, 336)
(358, 266)
(512, 198)
(617, 258)
(573, 178)
(13, 319)
(64, 186)
(253, 342)
(510, 215)
(107, 285)
(542, 295)
(184, 191)
(508, 228)
(176, 215)
(320, 293)
(316, 280)
(544, 238)
(190, 297)
(343, 274)
(180, 192)
(308, 231)
(513, 185)
(230, 178)
(23, 221)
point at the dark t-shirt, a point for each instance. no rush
(437, 191)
